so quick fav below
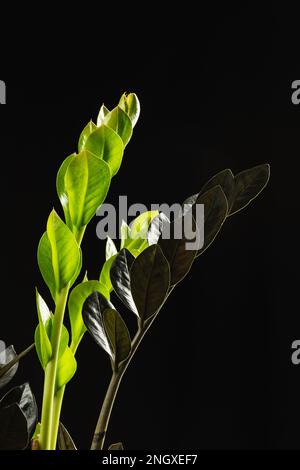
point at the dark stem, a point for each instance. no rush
(16, 359)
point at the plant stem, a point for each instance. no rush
(46, 438)
(108, 402)
(16, 359)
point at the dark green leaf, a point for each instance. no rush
(120, 278)
(150, 281)
(174, 245)
(89, 128)
(225, 179)
(248, 185)
(118, 335)
(6, 356)
(105, 143)
(18, 418)
(156, 227)
(76, 300)
(131, 105)
(117, 446)
(92, 313)
(87, 180)
(119, 121)
(65, 441)
(58, 255)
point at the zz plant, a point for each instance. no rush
(142, 273)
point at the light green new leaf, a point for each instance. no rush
(138, 235)
(105, 143)
(58, 255)
(120, 122)
(87, 181)
(66, 368)
(89, 128)
(131, 105)
(105, 273)
(102, 113)
(60, 186)
(42, 340)
(76, 300)
(110, 249)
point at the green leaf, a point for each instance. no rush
(150, 281)
(125, 234)
(225, 179)
(76, 300)
(119, 121)
(110, 249)
(65, 441)
(215, 213)
(60, 186)
(105, 143)
(89, 128)
(87, 180)
(18, 418)
(175, 248)
(42, 340)
(137, 236)
(58, 255)
(117, 446)
(131, 105)
(105, 273)
(248, 185)
(156, 227)
(66, 368)
(6, 356)
(102, 113)
(117, 334)
(107, 328)
(92, 314)
(120, 278)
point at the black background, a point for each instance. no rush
(214, 371)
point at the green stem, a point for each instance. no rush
(46, 438)
(109, 400)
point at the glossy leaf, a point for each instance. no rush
(66, 368)
(150, 281)
(117, 446)
(60, 186)
(18, 418)
(225, 179)
(175, 248)
(125, 233)
(92, 313)
(156, 228)
(65, 441)
(118, 335)
(76, 300)
(105, 143)
(248, 185)
(42, 340)
(120, 122)
(87, 180)
(120, 278)
(102, 113)
(58, 255)
(89, 128)
(131, 105)
(215, 213)
(110, 249)
(6, 356)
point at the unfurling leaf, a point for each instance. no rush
(107, 145)
(18, 418)
(105, 273)
(66, 368)
(248, 185)
(150, 281)
(58, 255)
(107, 327)
(6, 356)
(120, 278)
(65, 441)
(43, 331)
(117, 446)
(76, 300)
(131, 105)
